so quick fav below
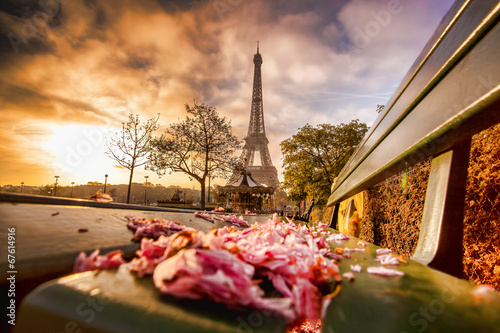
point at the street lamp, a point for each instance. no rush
(55, 186)
(208, 200)
(146, 191)
(105, 182)
(72, 183)
(208, 197)
(22, 185)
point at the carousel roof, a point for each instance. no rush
(246, 183)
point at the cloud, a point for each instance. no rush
(91, 63)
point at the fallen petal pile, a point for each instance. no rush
(230, 266)
(275, 266)
(153, 228)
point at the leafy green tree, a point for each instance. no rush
(314, 156)
(202, 145)
(130, 147)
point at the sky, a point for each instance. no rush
(73, 70)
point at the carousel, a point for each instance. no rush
(247, 195)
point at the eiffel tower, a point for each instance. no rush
(256, 140)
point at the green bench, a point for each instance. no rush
(445, 98)
(451, 93)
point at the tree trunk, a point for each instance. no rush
(202, 195)
(130, 184)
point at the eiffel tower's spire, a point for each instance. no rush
(256, 125)
(256, 140)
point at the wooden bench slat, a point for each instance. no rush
(401, 138)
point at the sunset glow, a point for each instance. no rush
(78, 150)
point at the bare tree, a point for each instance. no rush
(200, 146)
(131, 147)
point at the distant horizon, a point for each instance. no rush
(108, 184)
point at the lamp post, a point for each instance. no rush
(146, 191)
(105, 182)
(22, 185)
(55, 186)
(208, 199)
(72, 183)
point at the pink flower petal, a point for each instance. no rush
(353, 250)
(383, 251)
(390, 261)
(356, 268)
(204, 216)
(483, 290)
(95, 261)
(379, 270)
(234, 220)
(337, 237)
